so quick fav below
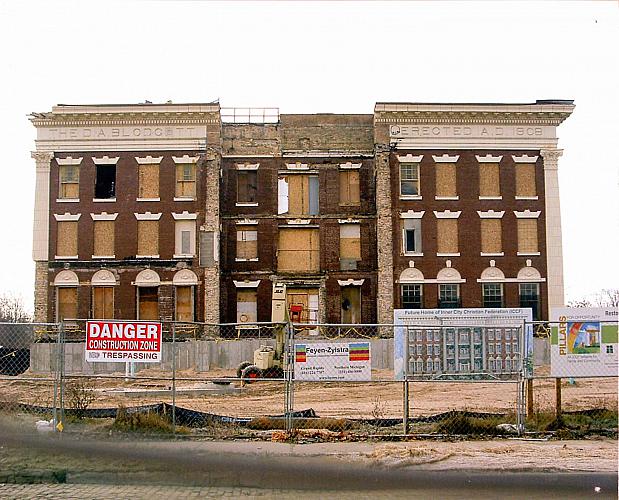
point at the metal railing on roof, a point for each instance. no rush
(249, 115)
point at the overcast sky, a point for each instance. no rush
(322, 57)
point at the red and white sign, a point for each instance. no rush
(120, 341)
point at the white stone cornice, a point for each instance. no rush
(446, 158)
(246, 284)
(67, 217)
(411, 214)
(69, 160)
(298, 222)
(185, 215)
(104, 216)
(148, 160)
(524, 159)
(105, 160)
(185, 159)
(489, 158)
(350, 282)
(147, 216)
(409, 158)
(350, 166)
(297, 166)
(247, 166)
(447, 214)
(247, 222)
(527, 214)
(490, 214)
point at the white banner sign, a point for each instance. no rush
(333, 361)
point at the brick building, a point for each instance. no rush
(192, 211)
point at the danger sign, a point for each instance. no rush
(121, 341)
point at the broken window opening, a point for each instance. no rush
(298, 195)
(105, 183)
(246, 186)
(247, 243)
(351, 305)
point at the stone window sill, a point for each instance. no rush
(492, 254)
(248, 204)
(528, 254)
(448, 254)
(104, 200)
(103, 257)
(446, 198)
(148, 199)
(147, 256)
(67, 200)
(527, 197)
(176, 198)
(490, 197)
(66, 257)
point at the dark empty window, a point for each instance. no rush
(492, 294)
(247, 186)
(529, 297)
(105, 184)
(412, 297)
(449, 296)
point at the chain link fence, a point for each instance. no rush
(282, 379)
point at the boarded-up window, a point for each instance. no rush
(525, 180)
(527, 236)
(66, 303)
(148, 302)
(148, 181)
(104, 238)
(66, 244)
(351, 305)
(185, 237)
(489, 185)
(69, 182)
(491, 241)
(103, 302)
(411, 236)
(148, 238)
(446, 180)
(447, 235)
(184, 303)
(247, 243)
(302, 304)
(186, 180)
(246, 186)
(350, 245)
(246, 305)
(349, 187)
(298, 250)
(298, 195)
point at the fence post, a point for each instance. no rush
(60, 367)
(289, 375)
(558, 398)
(406, 386)
(174, 378)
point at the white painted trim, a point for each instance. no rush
(247, 166)
(413, 254)
(185, 159)
(492, 254)
(411, 197)
(348, 221)
(297, 166)
(184, 199)
(350, 166)
(490, 197)
(104, 216)
(524, 254)
(524, 159)
(489, 158)
(527, 214)
(409, 158)
(246, 284)
(148, 199)
(67, 217)
(527, 197)
(447, 214)
(448, 254)
(445, 158)
(298, 222)
(105, 160)
(104, 200)
(67, 200)
(246, 204)
(350, 282)
(185, 215)
(147, 216)
(69, 160)
(439, 282)
(490, 214)
(148, 160)
(103, 257)
(411, 214)
(247, 222)
(511, 280)
(447, 198)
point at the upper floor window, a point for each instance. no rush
(69, 182)
(105, 182)
(349, 184)
(529, 297)
(148, 177)
(489, 177)
(412, 296)
(247, 186)
(185, 177)
(298, 194)
(492, 294)
(298, 250)
(247, 243)
(409, 179)
(445, 167)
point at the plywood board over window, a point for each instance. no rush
(298, 195)
(246, 306)
(148, 181)
(298, 250)
(184, 303)
(527, 236)
(491, 241)
(447, 235)
(104, 238)
(525, 180)
(350, 241)
(186, 180)
(66, 244)
(148, 237)
(148, 303)
(489, 185)
(103, 302)
(446, 180)
(69, 181)
(66, 303)
(247, 243)
(349, 187)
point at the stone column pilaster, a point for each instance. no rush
(554, 239)
(384, 232)
(211, 224)
(40, 233)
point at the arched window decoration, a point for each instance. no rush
(66, 283)
(449, 280)
(103, 277)
(102, 283)
(449, 275)
(185, 277)
(184, 281)
(147, 277)
(411, 275)
(529, 273)
(147, 283)
(66, 278)
(492, 274)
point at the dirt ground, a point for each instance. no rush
(383, 398)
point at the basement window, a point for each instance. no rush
(105, 183)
